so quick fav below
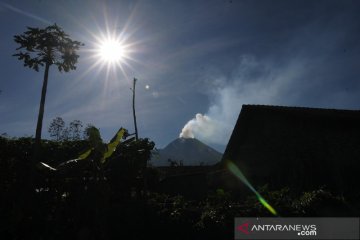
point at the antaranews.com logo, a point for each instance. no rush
(301, 230)
(297, 228)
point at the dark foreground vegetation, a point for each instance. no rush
(117, 198)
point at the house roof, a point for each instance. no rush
(297, 146)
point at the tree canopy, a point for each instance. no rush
(50, 45)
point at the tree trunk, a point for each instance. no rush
(41, 112)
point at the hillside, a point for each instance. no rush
(190, 151)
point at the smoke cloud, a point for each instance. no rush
(252, 82)
(201, 126)
(216, 125)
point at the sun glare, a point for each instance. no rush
(111, 51)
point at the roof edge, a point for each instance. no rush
(296, 108)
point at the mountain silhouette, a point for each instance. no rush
(189, 151)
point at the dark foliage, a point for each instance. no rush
(59, 132)
(90, 199)
(49, 45)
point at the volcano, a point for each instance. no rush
(188, 151)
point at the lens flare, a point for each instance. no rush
(266, 204)
(237, 172)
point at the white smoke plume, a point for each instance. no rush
(216, 125)
(201, 126)
(252, 82)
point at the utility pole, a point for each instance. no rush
(133, 90)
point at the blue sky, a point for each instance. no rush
(197, 57)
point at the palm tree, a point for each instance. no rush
(46, 47)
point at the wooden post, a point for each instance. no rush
(136, 131)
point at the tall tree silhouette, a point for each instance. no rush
(46, 47)
(75, 129)
(56, 128)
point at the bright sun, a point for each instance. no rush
(111, 51)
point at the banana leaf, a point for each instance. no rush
(85, 154)
(111, 147)
(45, 167)
(74, 163)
